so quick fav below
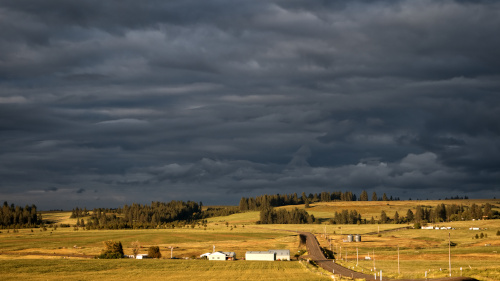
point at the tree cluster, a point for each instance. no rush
(346, 217)
(270, 215)
(145, 216)
(112, 250)
(455, 212)
(260, 202)
(18, 217)
(78, 213)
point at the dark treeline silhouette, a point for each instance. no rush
(269, 215)
(18, 217)
(457, 198)
(143, 216)
(257, 203)
(158, 214)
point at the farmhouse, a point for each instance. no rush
(271, 255)
(222, 256)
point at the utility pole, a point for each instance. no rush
(357, 256)
(449, 252)
(398, 261)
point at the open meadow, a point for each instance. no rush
(66, 252)
(127, 269)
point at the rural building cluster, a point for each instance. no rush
(270, 255)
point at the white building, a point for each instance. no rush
(222, 256)
(281, 255)
(259, 256)
(271, 255)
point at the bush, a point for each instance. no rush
(498, 232)
(114, 250)
(154, 252)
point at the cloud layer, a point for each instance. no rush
(107, 103)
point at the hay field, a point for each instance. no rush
(188, 242)
(67, 269)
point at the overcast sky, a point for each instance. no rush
(105, 103)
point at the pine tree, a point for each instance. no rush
(363, 196)
(409, 216)
(383, 217)
(396, 217)
(374, 196)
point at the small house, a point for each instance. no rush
(222, 256)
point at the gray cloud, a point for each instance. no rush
(216, 100)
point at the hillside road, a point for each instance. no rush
(315, 253)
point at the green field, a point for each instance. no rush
(66, 252)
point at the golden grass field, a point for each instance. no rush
(64, 252)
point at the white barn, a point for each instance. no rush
(259, 256)
(271, 255)
(281, 255)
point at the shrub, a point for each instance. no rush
(154, 252)
(113, 250)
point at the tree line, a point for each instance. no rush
(422, 215)
(143, 216)
(276, 200)
(158, 214)
(269, 215)
(18, 217)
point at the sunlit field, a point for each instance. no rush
(67, 252)
(67, 269)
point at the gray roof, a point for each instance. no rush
(280, 252)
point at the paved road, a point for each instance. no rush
(314, 251)
(316, 254)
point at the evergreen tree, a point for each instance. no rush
(374, 196)
(396, 217)
(383, 217)
(363, 196)
(409, 215)
(384, 197)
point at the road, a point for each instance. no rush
(315, 253)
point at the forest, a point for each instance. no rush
(179, 213)
(18, 217)
(276, 200)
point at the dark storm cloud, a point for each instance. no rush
(214, 100)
